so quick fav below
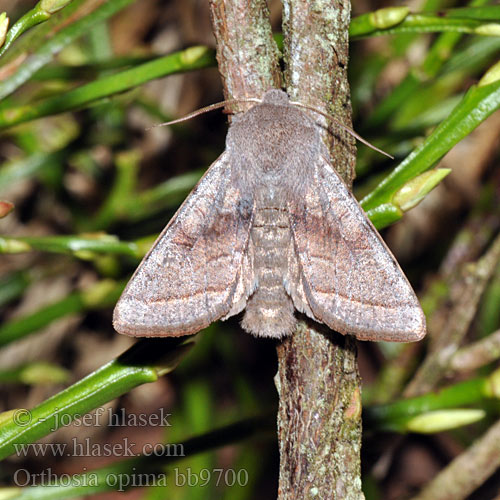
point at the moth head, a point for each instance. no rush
(276, 97)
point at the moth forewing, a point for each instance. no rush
(192, 274)
(351, 280)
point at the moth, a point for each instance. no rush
(269, 229)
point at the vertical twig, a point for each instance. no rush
(246, 52)
(316, 49)
(320, 402)
(320, 411)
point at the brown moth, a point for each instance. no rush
(271, 228)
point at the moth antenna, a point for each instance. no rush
(206, 109)
(342, 126)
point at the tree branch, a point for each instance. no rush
(246, 52)
(320, 405)
(319, 416)
(316, 49)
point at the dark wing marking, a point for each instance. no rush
(348, 276)
(197, 271)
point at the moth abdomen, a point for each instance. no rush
(269, 311)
